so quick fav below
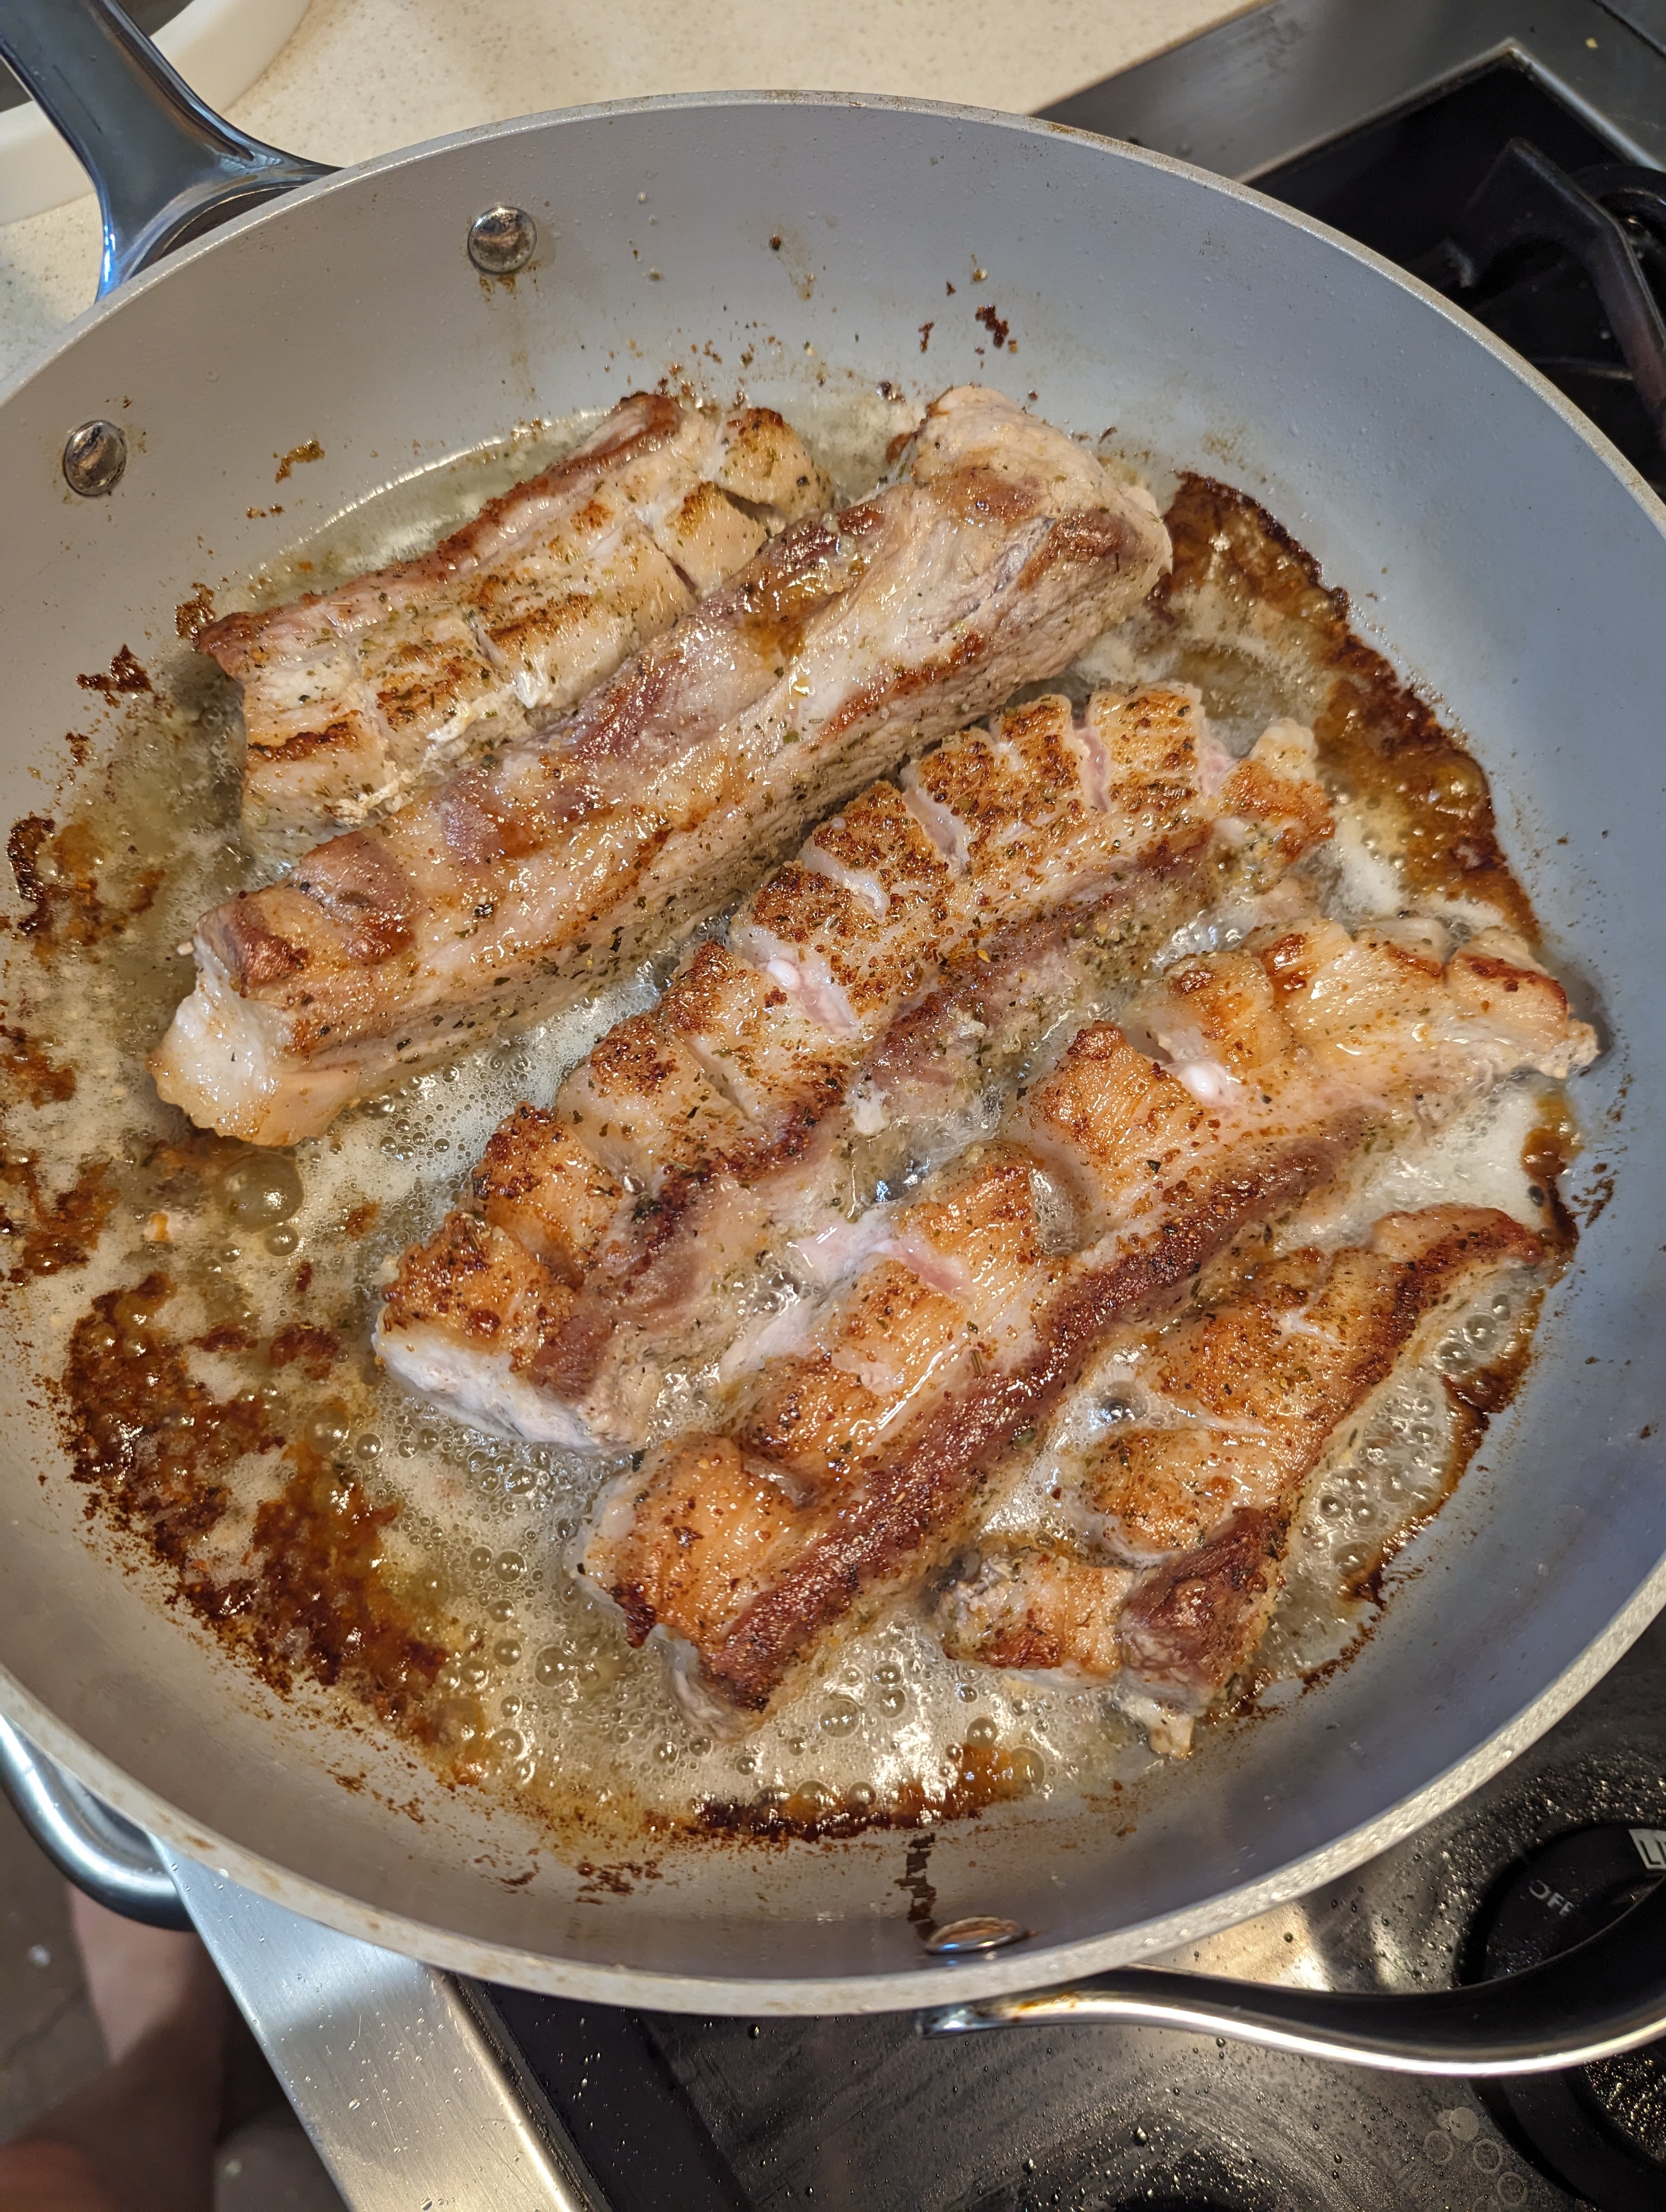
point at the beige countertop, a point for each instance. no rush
(362, 76)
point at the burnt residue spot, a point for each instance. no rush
(917, 1887)
(193, 616)
(317, 1600)
(310, 1594)
(1601, 1194)
(28, 1073)
(313, 1350)
(123, 677)
(312, 451)
(993, 322)
(151, 1439)
(980, 1774)
(58, 874)
(1426, 796)
(926, 329)
(775, 243)
(1549, 1151)
(45, 1231)
(360, 1217)
(226, 1336)
(618, 1878)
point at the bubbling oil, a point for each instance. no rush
(572, 1719)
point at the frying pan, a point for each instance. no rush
(1508, 560)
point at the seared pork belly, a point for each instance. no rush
(868, 993)
(1182, 1509)
(855, 1461)
(520, 884)
(354, 697)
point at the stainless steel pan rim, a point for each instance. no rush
(932, 1982)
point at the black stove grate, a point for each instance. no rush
(1402, 185)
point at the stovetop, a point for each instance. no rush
(1384, 120)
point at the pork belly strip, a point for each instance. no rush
(520, 885)
(1182, 1511)
(353, 698)
(853, 1466)
(867, 992)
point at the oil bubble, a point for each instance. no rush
(508, 1652)
(330, 1427)
(261, 1191)
(551, 1664)
(282, 1241)
(1025, 1767)
(982, 1731)
(510, 1565)
(840, 1715)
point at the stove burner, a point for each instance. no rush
(1495, 189)
(1600, 2130)
(1608, 219)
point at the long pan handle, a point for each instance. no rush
(1606, 1995)
(165, 168)
(115, 1863)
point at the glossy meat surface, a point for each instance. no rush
(515, 887)
(1182, 1508)
(354, 698)
(913, 1392)
(866, 994)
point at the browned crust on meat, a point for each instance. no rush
(915, 1506)
(1376, 738)
(256, 955)
(364, 891)
(1192, 1620)
(473, 1281)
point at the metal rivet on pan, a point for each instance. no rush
(502, 241)
(94, 457)
(980, 1931)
